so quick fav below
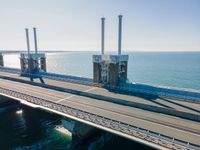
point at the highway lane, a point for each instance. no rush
(59, 97)
(115, 111)
(160, 102)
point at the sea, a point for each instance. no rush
(35, 129)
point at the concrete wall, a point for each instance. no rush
(113, 74)
(184, 94)
(78, 129)
(96, 72)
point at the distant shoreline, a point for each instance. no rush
(65, 51)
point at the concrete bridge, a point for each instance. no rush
(160, 117)
(104, 109)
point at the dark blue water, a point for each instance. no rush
(35, 129)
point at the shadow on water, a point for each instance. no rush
(34, 130)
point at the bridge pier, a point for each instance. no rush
(43, 63)
(1, 60)
(78, 129)
(110, 69)
(32, 62)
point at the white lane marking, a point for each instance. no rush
(90, 89)
(68, 97)
(65, 98)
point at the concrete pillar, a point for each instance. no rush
(27, 41)
(43, 64)
(96, 72)
(35, 40)
(123, 70)
(31, 65)
(78, 129)
(1, 60)
(120, 35)
(113, 74)
(102, 34)
(22, 63)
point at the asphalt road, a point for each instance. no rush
(176, 127)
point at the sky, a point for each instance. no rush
(148, 25)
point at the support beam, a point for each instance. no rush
(1, 60)
(35, 40)
(120, 35)
(27, 41)
(102, 34)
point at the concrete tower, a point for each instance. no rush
(1, 60)
(110, 70)
(32, 62)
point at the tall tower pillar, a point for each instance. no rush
(110, 70)
(1, 60)
(32, 63)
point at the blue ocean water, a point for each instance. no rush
(174, 69)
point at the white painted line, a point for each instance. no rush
(90, 89)
(75, 95)
(65, 98)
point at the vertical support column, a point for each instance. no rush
(123, 70)
(22, 62)
(27, 41)
(1, 60)
(36, 48)
(28, 49)
(35, 40)
(120, 35)
(113, 74)
(96, 72)
(102, 34)
(43, 63)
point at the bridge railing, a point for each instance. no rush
(11, 70)
(54, 76)
(115, 125)
(60, 77)
(176, 93)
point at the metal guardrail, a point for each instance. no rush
(10, 70)
(156, 138)
(190, 95)
(54, 76)
(81, 80)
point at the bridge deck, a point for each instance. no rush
(176, 127)
(150, 100)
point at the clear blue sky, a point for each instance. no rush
(158, 25)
